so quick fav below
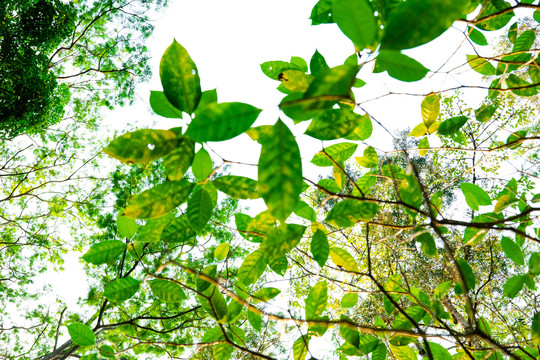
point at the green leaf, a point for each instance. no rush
(480, 65)
(126, 227)
(367, 343)
(317, 63)
(222, 121)
(207, 97)
(221, 251)
(521, 87)
(279, 265)
(430, 108)
(167, 291)
(423, 144)
(180, 78)
(451, 126)
(379, 353)
(158, 200)
(202, 165)
(417, 22)
(89, 357)
(81, 334)
(255, 320)
(399, 66)
(266, 294)
(322, 13)
(281, 240)
(343, 259)
(475, 195)
(512, 250)
(355, 18)
(214, 303)
(349, 300)
(316, 301)
(338, 152)
(329, 87)
(200, 205)
(535, 329)
(300, 348)
(468, 274)
(438, 351)
(121, 289)
(494, 22)
(534, 264)
(295, 80)
(296, 60)
(320, 248)
(305, 211)
(370, 158)
(272, 69)
(280, 172)
(178, 230)
(178, 161)
(363, 130)
(238, 187)
(152, 230)
(348, 212)
(483, 325)
(142, 146)
(334, 124)
(477, 36)
(162, 106)
(213, 334)
(513, 286)
(222, 351)
(104, 251)
(403, 352)
(349, 333)
(107, 352)
(252, 268)
(485, 112)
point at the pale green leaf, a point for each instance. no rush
(104, 251)
(121, 289)
(167, 291)
(81, 334)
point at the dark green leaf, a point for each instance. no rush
(280, 172)
(178, 230)
(320, 248)
(451, 126)
(399, 66)
(104, 251)
(214, 303)
(380, 352)
(535, 329)
(207, 97)
(355, 18)
(468, 274)
(81, 334)
(158, 200)
(427, 242)
(521, 87)
(317, 63)
(477, 36)
(180, 78)
(438, 351)
(121, 289)
(255, 320)
(167, 291)
(322, 13)
(142, 146)
(485, 112)
(417, 22)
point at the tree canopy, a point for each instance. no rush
(429, 250)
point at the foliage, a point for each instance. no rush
(52, 52)
(430, 249)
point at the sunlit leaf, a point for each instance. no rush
(370, 158)
(178, 161)
(430, 109)
(255, 320)
(317, 63)
(513, 286)
(104, 251)
(280, 172)
(399, 66)
(252, 268)
(222, 121)
(320, 249)
(200, 205)
(349, 300)
(180, 78)
(343, 259)
(121, 289)
(266, 294)
(272, 69)
(316, 300)
(355, 18)
(142, 146)
(202, 165)
(221, 251)
(481, 65)
(322, 12)
(281, 240)
(338, 153)
(126, 227)
(238, 187)
(512, 250)
(167, 291)
(334, 124)
(348, 212)
(300, 348)
(162, 106)
(475, 195)
(467, 273)
(81, 334)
